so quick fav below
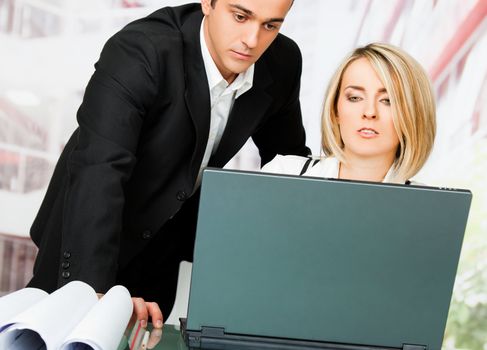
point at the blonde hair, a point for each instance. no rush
(412, 103)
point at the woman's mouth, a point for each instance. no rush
(367, 132)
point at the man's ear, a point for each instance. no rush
(205, 7)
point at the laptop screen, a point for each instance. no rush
(325, 260)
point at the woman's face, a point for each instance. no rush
(365, 114)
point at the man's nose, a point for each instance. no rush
(251, 36)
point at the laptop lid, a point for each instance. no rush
(333, 261)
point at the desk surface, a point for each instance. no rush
(171, 340)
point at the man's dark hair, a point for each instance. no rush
(212, 3)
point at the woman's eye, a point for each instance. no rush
(386, 101)
(353, 98)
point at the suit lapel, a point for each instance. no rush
(197, 95)
(247, 112)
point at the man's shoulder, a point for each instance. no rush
(284, 42)
(165, 22)
(283, 55)
(283, 45)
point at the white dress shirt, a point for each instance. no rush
(222, 97)
(326, 168)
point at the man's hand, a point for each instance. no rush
(143, 309)
(141, 313)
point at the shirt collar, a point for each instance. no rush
(330, 167)
(240, 85)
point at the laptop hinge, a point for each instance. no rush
(218, 332)
(195, 340)
(414, 347)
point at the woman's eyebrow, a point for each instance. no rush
(360, 88)
(355, 87)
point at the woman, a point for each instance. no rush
(378, 121)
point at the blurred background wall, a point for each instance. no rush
(47, 52)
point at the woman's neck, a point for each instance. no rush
(365, 169)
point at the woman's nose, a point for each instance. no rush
(370, 112)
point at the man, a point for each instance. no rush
(172, 93)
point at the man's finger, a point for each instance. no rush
(140, 311)
(155, 313)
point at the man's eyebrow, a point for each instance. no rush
(251, 14)
(243, 9)
(273, 20)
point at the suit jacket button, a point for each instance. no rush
(181, 196)
(147, 234)
(66, 274)
(66, 255)
(65, 265)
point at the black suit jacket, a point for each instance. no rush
(132, 164)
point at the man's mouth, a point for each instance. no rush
(241, 55)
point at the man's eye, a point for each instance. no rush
(269, 26)
(239, 17)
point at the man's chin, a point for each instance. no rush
(234, 68)
(240, 67)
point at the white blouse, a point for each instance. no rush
(325, 168)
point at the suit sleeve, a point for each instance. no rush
(283, 132)
(110, 120)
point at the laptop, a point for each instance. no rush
(288, 262)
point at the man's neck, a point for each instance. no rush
(230, 78)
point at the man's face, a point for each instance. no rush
(237, 32)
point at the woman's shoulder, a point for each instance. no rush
(289, 165)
